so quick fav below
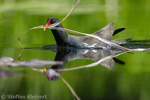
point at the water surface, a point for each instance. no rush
(129, 81)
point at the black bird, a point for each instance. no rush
(62, 39)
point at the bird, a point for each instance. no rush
(67, 55)
(62, 39)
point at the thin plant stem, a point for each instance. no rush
(52, 25)
(37, 27)
(71, 89)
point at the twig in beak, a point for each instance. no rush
(52, 26)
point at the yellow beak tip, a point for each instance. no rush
(45, 69)
(45, 28)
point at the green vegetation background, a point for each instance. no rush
(125, 82)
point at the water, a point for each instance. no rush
(129, 81)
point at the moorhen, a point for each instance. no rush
(62, 39)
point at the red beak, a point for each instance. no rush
(47, 24)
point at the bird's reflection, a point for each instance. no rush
(103, 57)
(99, 56)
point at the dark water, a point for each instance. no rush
(128, 79)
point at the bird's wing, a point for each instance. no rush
(106, 32)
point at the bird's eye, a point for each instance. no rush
(53, 21)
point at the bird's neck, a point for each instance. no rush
(60, 36)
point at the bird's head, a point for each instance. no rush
(50, 21)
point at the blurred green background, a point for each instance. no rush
(125, 82)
